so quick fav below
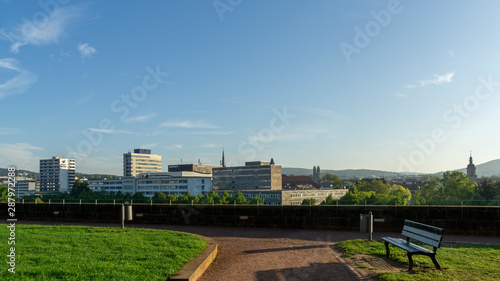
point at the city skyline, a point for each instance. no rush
(356, 85)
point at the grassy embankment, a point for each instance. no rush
(93, 253)
(458, 262)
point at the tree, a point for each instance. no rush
(335, 181)
(256, 200)
(160, 197)
(399, 195)
(453, 187)
(139, 197)
(486, 189)
(4, 191)
(329, 200)
(224, 199)
(309, 201)
(239, 198)
(79, 187)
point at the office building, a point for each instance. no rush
(150, 183)
(57, 174)
(140, 161)
(198, 168)
(254, 175)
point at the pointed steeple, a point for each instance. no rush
(223, 162)
(272, 161)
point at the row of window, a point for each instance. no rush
(161, 181)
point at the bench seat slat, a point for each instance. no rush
(401, 243)
(423, 233)
(425, 240)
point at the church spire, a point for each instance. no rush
(223, 163)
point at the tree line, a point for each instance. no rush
(453, 188)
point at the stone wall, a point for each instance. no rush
(454, 219)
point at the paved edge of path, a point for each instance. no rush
(192, 270)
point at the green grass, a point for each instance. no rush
(93, 253)
(459, 262)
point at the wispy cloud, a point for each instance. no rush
(20, 155)
(45, 33)
(189, 124)
(142, 119)
(86, 50)
(437, 80)
(19, 83)
(450, 54)
(208, 145)
(216, 133)
(149, 146)
(400, 95)
(84, 100)
(9, 131)
(110, 131)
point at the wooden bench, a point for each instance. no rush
(424, 233)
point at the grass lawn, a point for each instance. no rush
(458, 262)
(94, 253)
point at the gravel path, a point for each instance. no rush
(278, 254)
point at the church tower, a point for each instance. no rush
(471, 169)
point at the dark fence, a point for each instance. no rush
(481, 220)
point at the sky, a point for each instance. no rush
(404, 86)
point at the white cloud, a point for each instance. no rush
(450, 54)
(400, 95)
(409, 86)
(86, 50)
(142, 119)
(189, 124)
(9, 131)
(84, 100)
(208, 145)
(19, 83)
(149, 146)
(44, 31)
(178, 146)
(20, 155)
(438, 79)
(110, 131)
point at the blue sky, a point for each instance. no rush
(387, 85)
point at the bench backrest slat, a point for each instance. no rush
(423, 233)
(429, 228)
(427, 234)
(425, 240)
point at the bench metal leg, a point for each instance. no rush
(433, 257)
(387, 250)
(410, 260)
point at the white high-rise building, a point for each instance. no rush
(57, 174)
(141, 161)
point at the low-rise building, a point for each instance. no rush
(150, 183)
(288, 197)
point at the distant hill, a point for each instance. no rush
(4, 172)
(360, 173)
(488, 169)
